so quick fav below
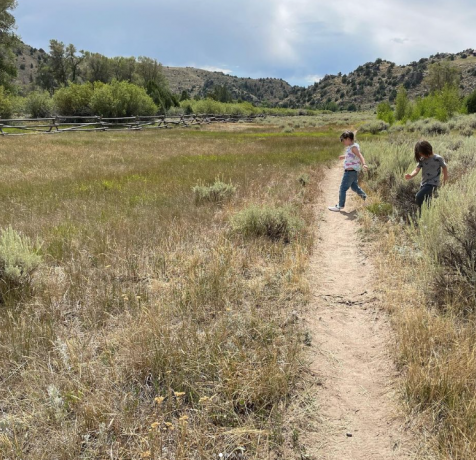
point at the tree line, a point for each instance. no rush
(442, 101)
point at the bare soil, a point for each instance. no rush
(355, 376)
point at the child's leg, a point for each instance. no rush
(344, 186)
(425, 193)
(355, 187)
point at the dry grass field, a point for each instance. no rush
(156, 323)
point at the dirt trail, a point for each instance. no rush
(356, 393)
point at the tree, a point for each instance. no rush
(123, 69)
(184, 96)
(98, 68)
(385, 113)
(8, 40)
(148, 69)
(221, 94)
(73, 61)
(161, 96)
(58, 62)
(441, 74)
(470, 102)
(401, 103)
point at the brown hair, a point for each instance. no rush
(347, 135)
(423, 148)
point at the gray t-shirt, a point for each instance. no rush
(431, 169)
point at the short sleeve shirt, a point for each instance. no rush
(431, 170)
(352, 161)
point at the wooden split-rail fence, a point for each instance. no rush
(62, 124)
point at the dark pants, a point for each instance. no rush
(424, 194)
(350, 180)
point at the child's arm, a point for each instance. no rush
(341, 157)
(356, 151)
(413, 173)
(445, 174)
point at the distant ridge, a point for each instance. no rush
(363, 88)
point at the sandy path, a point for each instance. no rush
(356, 398)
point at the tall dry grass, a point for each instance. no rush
(152, 329)
(428, 278)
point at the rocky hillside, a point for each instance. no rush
(363, 88)
(378, 81)
(198, 81)
(28, 61)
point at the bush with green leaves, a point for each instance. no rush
(74, 99)
(441, 105)
(218, 192)
(6, 104)
(385, 113)
(39, 104)
(121, 99)
(275, 223)
(19, 258)
(470, 102)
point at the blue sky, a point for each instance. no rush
(297, 40)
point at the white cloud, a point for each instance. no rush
(215, 69)
(313, 78)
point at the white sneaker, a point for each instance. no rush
(334, 208)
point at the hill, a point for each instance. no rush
(200, 82)
(378, 81)
(361, 89)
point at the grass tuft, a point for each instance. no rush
(275, 223)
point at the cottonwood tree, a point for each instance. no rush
(148, 69)
(8, 40)
(123, 69)
(73, 61)
(98, 67)
(401, 103)
(441, 74)
(58, 63)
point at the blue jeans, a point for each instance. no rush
(425, 193)
(350, 180)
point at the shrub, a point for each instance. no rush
(6, 105)
(121, 99)
(275, 223)
(457, 279)
(74, 99)
(436, 128)
(216, 193)
(39, 104)
(467, 132)
(304, 179)
(470, 102)
(380, 209)
(374, 127)
(18, 260)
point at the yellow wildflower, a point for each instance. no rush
(179, 394)
(154, 425)
(147, 454)
(159, 400)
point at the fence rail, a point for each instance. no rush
(62, 124)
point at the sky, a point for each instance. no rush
(299, 41)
